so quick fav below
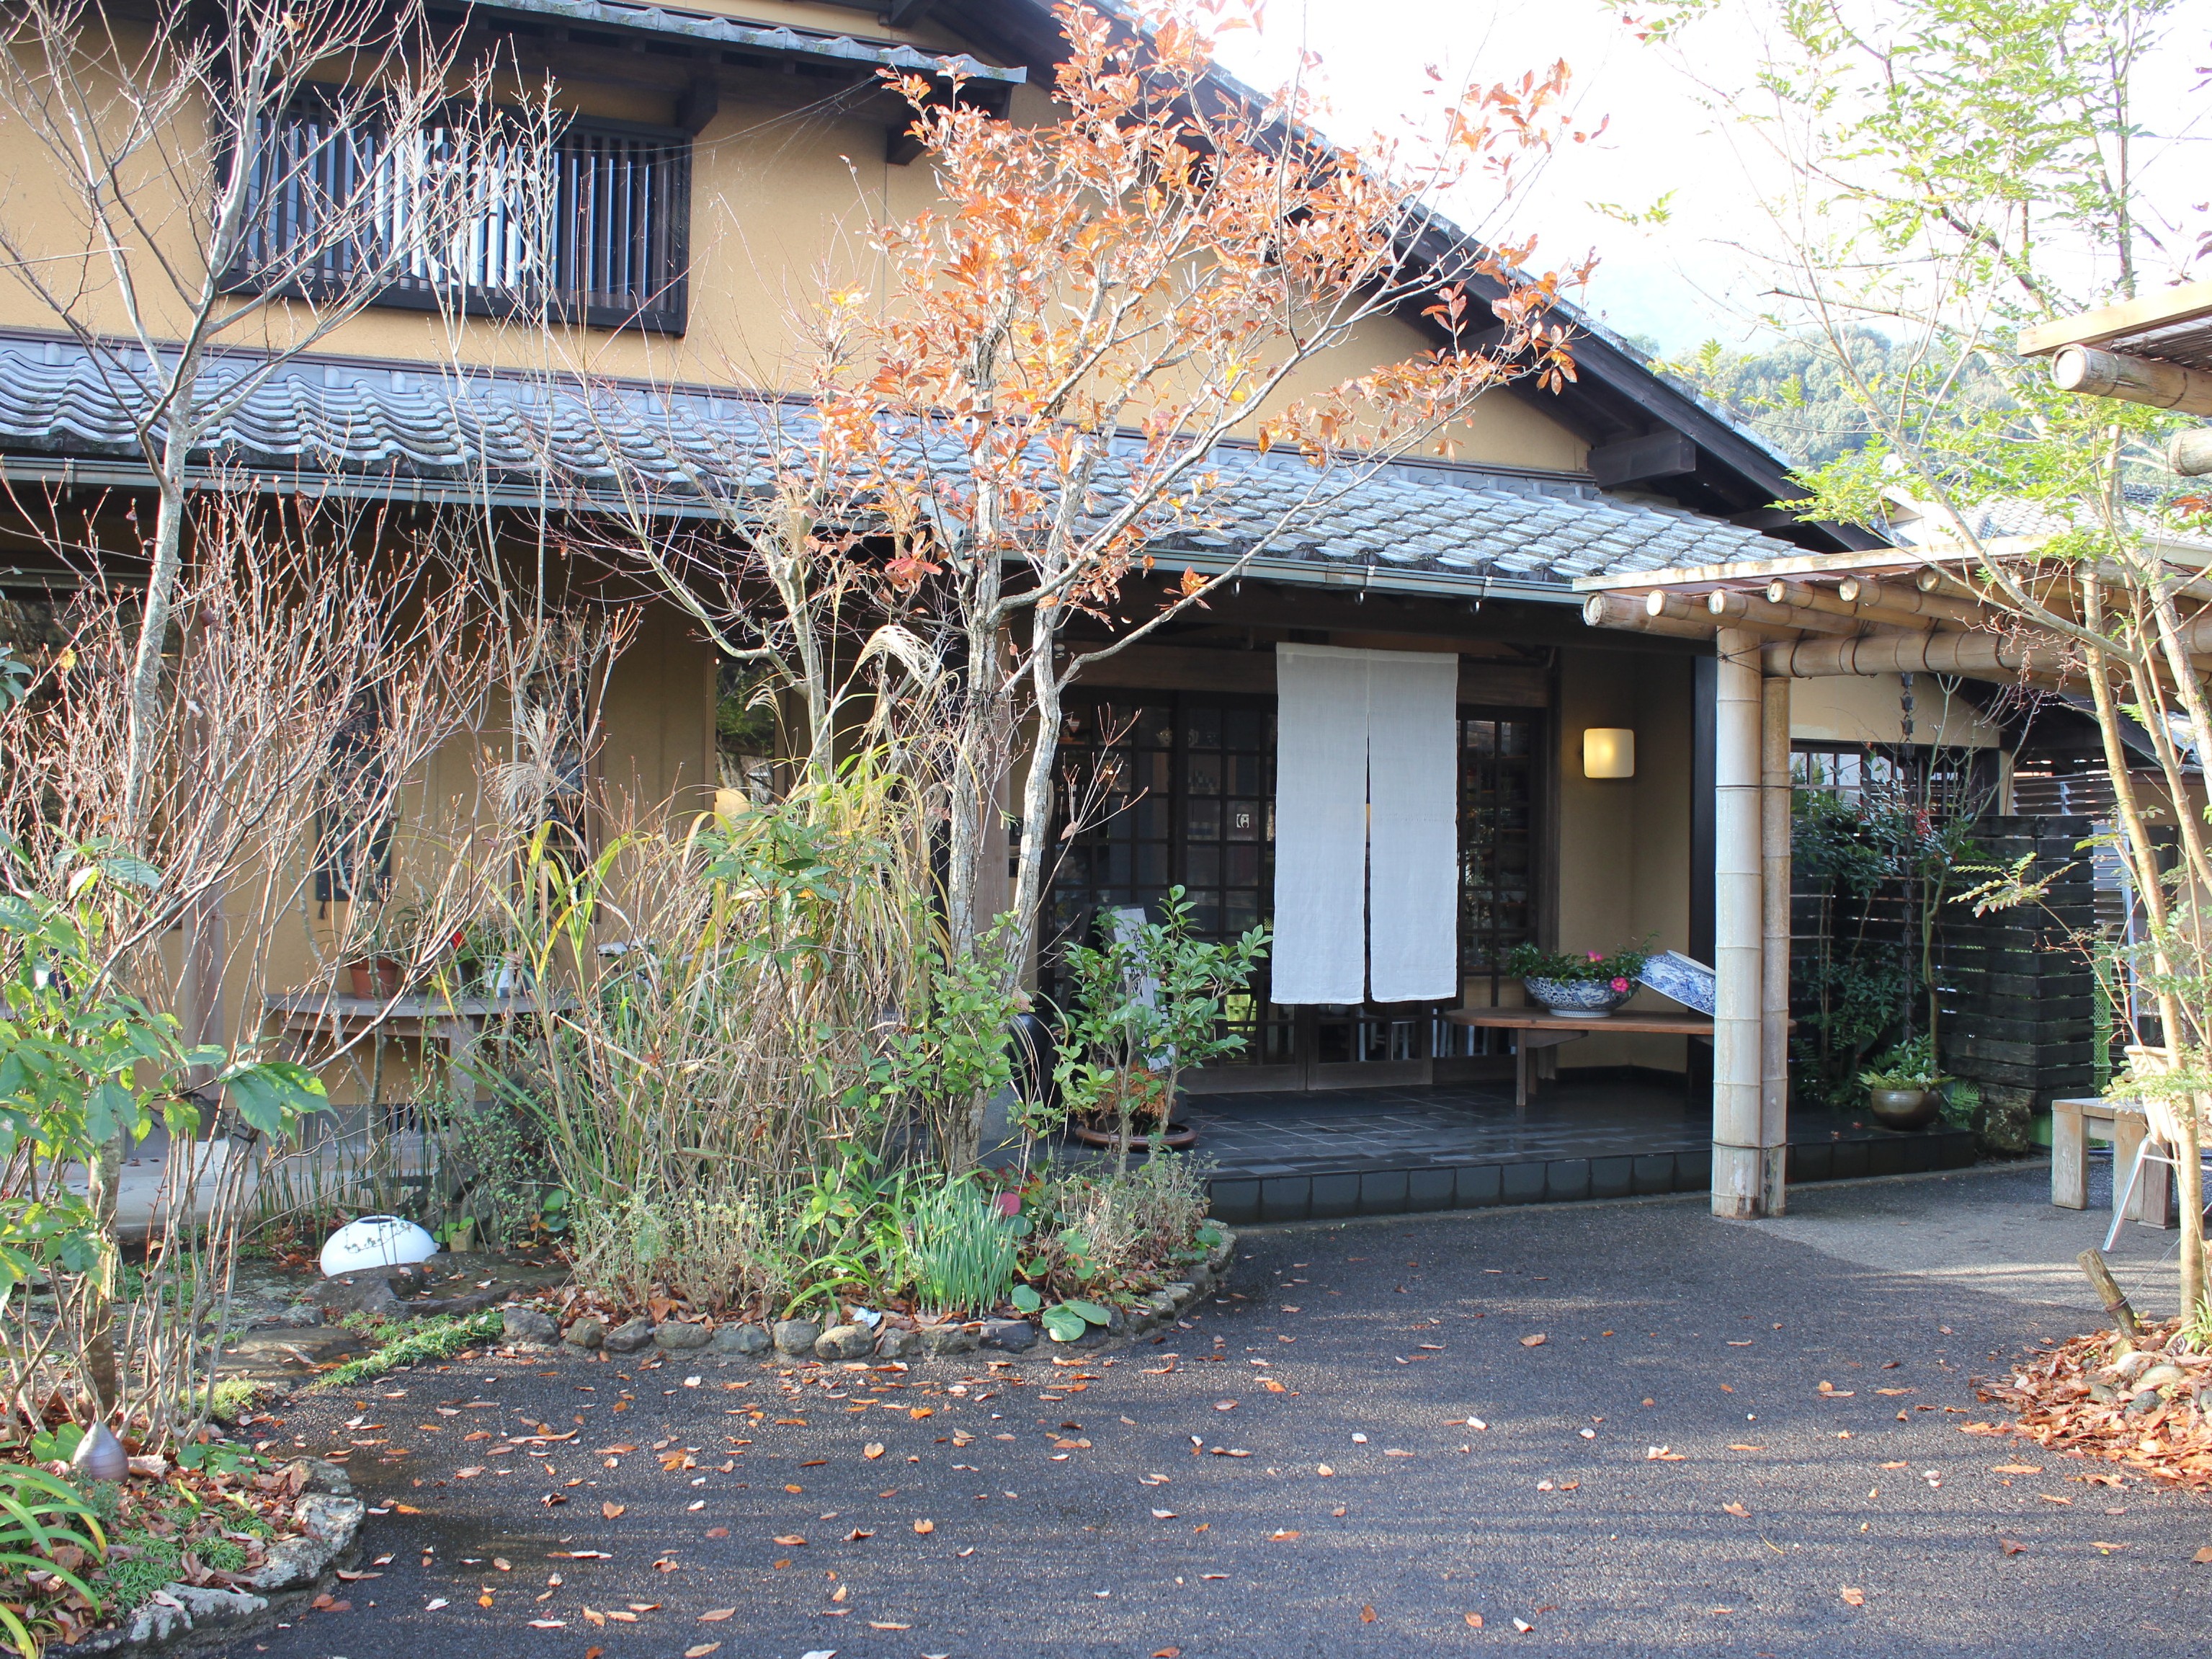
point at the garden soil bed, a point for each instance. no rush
(309, 1507)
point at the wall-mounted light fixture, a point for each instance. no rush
(1609, 751)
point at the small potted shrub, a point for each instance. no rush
(1904, 1088)
(1147, 1003)
(1585, 984)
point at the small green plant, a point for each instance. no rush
(960, 1253)
(235, 1397)
(45, 1521)
(1909, 1065)
(1146, 1002)
(429, 1339)
(1068, 1319)
(57, 1444)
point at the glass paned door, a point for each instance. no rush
(1169, 788)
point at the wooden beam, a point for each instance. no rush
(1802, 566)
(2167, 308)
(2034, 658)
(1624, 611)
(1910, 606)
(1655, 455)
(698, 104)
(2190, 453)
(2094, 373)
(1806, 596)
(1739, 608)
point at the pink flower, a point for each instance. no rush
(1009, 1203)
(1596, 957)
(1619, 987)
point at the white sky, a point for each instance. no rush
(1680, 284)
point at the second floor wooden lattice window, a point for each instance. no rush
(591, 226)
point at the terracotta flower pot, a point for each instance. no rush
(1904, 1109)
(363, 979)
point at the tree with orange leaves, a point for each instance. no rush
(1035, 393)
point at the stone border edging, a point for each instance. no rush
(184, 1620)
(800, 1339)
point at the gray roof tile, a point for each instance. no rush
(347, 418)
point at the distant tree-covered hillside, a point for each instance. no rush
(1795, 394)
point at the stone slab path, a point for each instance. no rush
(1731, 1439)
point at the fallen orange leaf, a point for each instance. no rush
(924, 1528)
(1474, 1621)
(1367, 1615)
(1853, 1596)
(611, 1510)
(1535, 1341)
(714, 1616)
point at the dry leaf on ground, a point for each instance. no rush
(1853, 1596)
(1535, 1341)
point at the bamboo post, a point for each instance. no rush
(1738, 1178)
(2109, 1293)
(1774, 963)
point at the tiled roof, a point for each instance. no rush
(368, 422)
(730, 31)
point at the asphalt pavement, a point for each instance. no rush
(1619, 1428)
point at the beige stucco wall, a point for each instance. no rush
(1849, 708)
(782, 194)
(1624, 844)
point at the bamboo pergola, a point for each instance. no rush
(1773, 622)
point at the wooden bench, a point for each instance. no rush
(1539, 1027)
(2073, 1124)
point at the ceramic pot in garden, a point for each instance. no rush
(1581, 999)
(1904, 1109)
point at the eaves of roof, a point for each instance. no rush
(711, 29)
(406, 432)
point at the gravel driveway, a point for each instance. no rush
(1688, 1437)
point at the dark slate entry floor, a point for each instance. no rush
(1298, 1156)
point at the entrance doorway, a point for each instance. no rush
(1167, 788)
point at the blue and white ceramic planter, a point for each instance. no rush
(1580, 999)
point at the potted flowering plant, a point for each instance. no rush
(1904, 1090)
(1585, 984)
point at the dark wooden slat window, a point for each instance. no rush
(595, 231)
